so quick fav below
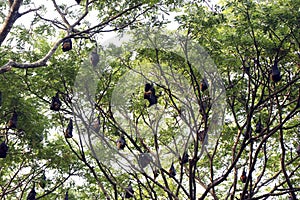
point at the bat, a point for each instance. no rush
(149, 94)
(67, 196)
(12, 122)
(3, 150)
(78, 1)
(275, 73)
(129, 191)
(144, 159)
(243, 177)
(185, 158)
(55, 103)
(121, 143)
(258, 127)
(42, 182)
(172, 171)
(67, 45)
(69, 130)
(203, 85)
(94, 58)
(31, 195)
(96, 125)
(298, 150)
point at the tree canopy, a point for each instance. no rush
(207, 111)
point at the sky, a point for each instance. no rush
(51, 14)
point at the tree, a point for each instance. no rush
(246, 40)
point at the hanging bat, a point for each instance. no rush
(3, 150)
(67, 45)
(31, 195)
(12, 122)
(144, 159)
(96, 125)
(172, 171)
(67, 196)
(55, 103)
(203, 85)
(78, 1)
(258, 127)
(298, 149)
(42, 182)
(94, 58)
(185, 158)
(129, 191)
(149, 94)
(69, 130)
(243, 177)
(275, 73)
(121, 143)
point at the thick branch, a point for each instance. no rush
(11, 18)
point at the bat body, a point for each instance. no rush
(259, 127)
(78, 1)
(298, 150)
(150, 94)
(203, 85)
(129, 191)
(67, 45)
(172, 171)
(66, 196)
(243, 177)
(121, 143)
(42, 182)
(3, 150)
(275, 74)
(55, 103)
(96, 125)
(31, 195)
(185, 158)
(69, 130)
(12, 122)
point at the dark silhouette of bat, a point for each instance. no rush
(149, 94)
(129, 191)
(3, 150)
(185, 158)
(298, 149)
(55, 103)
(42, 182)
(172, 171)
(243, 177)
(78, 1)
(258, 127)
(275, 74)
(121, 143)
(69, 130)
(67, 45)
(32, 193)
(67, 195)
(203, 85)
(12, 122)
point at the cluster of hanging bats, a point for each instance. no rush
(149, 94)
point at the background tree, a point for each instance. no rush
(247, 40)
